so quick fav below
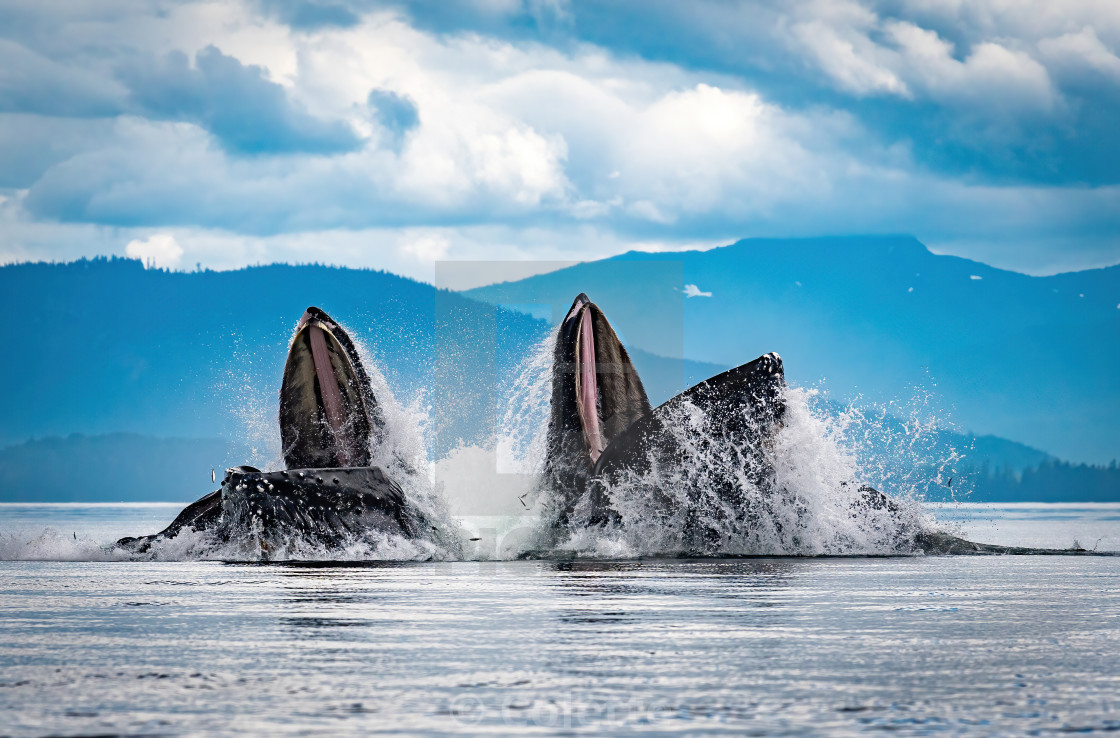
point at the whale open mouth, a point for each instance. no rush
(587, 385)
(330, 495)
(602, 387)
(328, 412)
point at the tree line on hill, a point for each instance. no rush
(1049, 481)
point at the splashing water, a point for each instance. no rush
(902, 447)
(402, 455)
(815, 459)
(525, 411)
(491, 486)
(400, 451)
(799, 494)
(51, 544)
(251, 398)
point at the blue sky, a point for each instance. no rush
(394, 134)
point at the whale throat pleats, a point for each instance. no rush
(330, 394)
(621, 397)
(328, 414)
(596, 394)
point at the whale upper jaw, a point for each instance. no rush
(328, 413)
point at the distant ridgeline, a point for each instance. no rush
(115, 467)
(108, 346)
(1047, 482)
(164, 375)
(1034, 359)
(996, 470)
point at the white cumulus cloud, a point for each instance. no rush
(518, 149)
(426, 247)
(158, 250)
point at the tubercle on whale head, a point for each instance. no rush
(328, 412)
(239, 472)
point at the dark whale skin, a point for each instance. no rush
(308, 436)
(622, 401)
(744, 404)
(317, 507)
(329, 495)
(320, 506)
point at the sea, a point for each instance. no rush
(810, 615)
(92, 644)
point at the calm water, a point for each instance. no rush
(1003, 645)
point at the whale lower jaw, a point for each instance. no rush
(271, 511)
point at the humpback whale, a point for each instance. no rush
(328, 494)
(603, 435)
(602, 428)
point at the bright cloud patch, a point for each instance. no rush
(427, 247)
(158, 250)
(691, 290)
(985, 129)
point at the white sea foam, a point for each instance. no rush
(401, 452)
(190, 545)
(487, 501)
(51, 544)
(813, 503)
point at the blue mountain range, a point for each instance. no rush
(1033, 359)
(117, 373)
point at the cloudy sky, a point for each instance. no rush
(394, 134)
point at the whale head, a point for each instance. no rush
(596, 393)
(328, 413)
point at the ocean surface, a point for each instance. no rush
(908, 645)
